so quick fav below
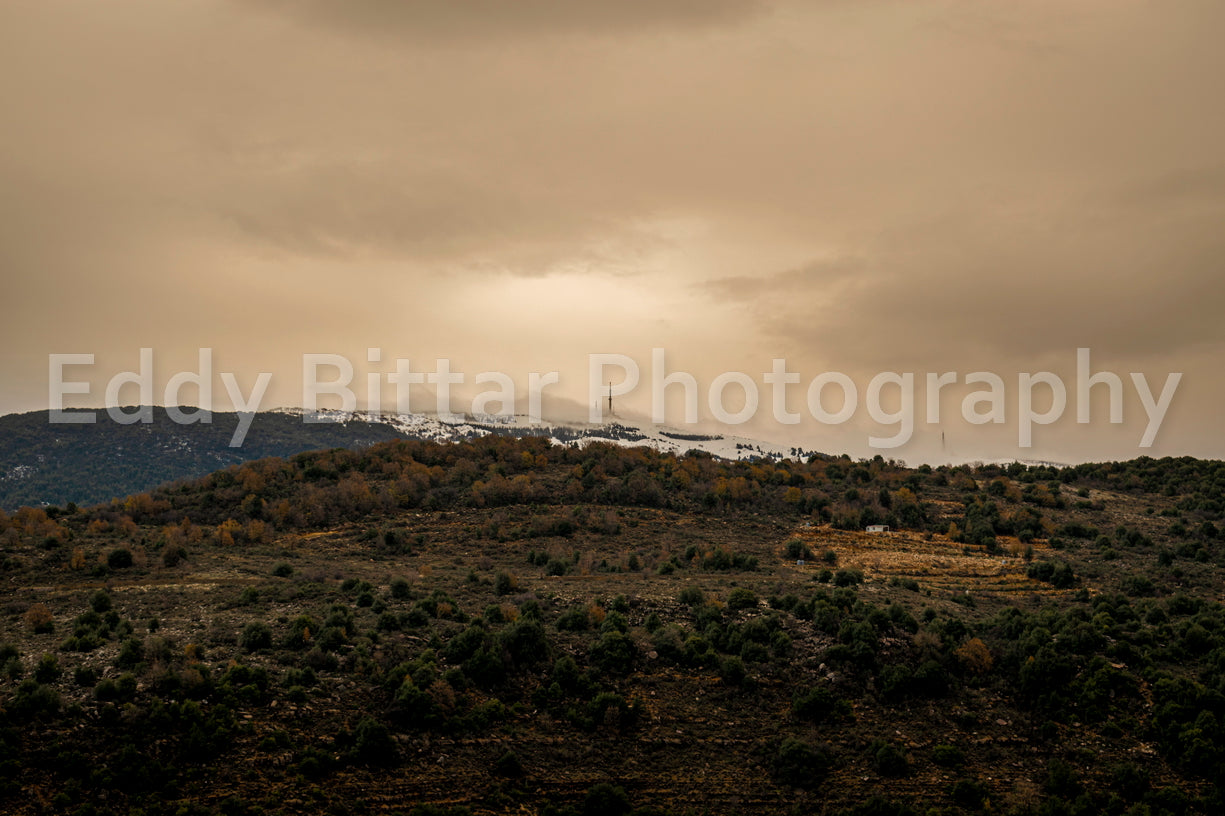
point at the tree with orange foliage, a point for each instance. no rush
(38, 618)
(975, 656)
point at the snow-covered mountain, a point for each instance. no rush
(42, 463)
(625, 432)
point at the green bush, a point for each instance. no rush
(797, 550)
(969, 793)
(948, 756)
(574, 619)
(504, 584)
(47, 670)
(741, 598)
(33, 700)
(847, 577)
(120, 558)
(799, 764)
(819, 704)
(255, 636)
(604, 799)
(508, 764)
(731, 671)
(691, 596)
(887, 758)
(131, 654)
(613, 653)
(373, 743)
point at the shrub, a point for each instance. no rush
(604, 799)
(282, 570)
(38, 618)
(131, 654)
(1058, 574)
(818, 704)
(256, 636)
(741, 598)
(797, 550)
(373, 743)
(847, 577)
(1061, 779)
(525, 642)
(320, 661)
(504, 584)
(106, 691)
(34, 700)
(948, 756)
(691, 596)
(302, 631)
(120, 558)
(1138, 586)
(1130, 780)
(887, 758)
(574, 619)
(47, 670)
(800, 764)
(905, 583)
(969, 793)
(508, 764)
(173, 555)
(613, 653)
(731, 670)
(975, 656)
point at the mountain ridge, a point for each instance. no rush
(44, 463)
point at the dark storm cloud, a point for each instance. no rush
(423, 19)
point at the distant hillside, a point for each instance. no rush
(53, 464)
(42, 463)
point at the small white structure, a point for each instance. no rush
(877, 528)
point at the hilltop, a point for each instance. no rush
(507, 625)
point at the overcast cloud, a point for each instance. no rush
(868, 186)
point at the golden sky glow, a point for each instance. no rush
(911, 186)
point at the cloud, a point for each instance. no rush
(424, 20)
(1133, 268)
(870, 186)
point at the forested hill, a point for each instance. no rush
(510, 626)
(44, 463)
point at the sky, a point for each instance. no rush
(859, 189)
